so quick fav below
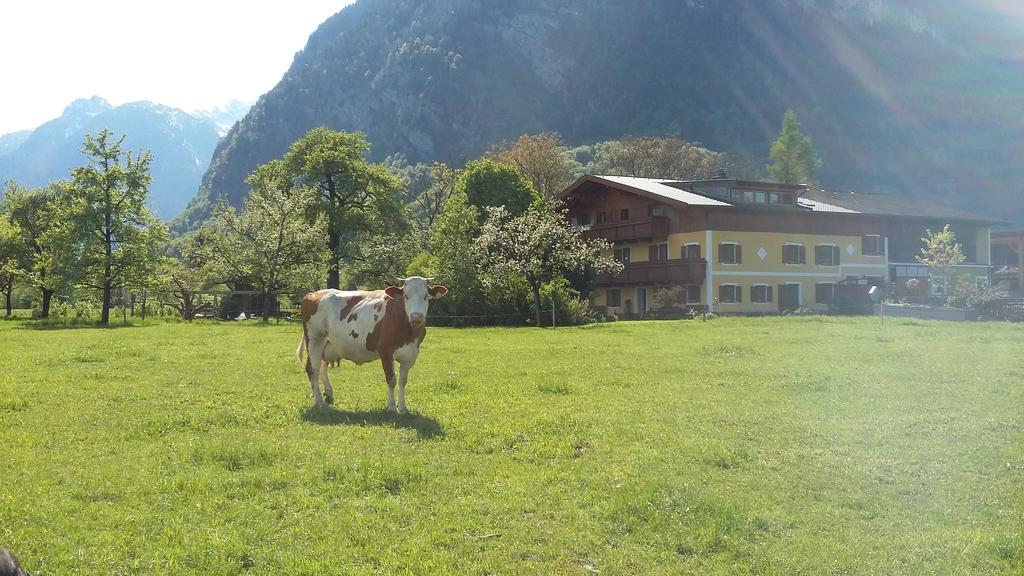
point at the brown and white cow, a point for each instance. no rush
(363, 326)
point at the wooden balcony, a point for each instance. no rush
(654, 228)
(657, 273)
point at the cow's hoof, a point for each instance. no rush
(329, 399)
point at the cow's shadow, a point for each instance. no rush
(425, 426)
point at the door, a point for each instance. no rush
(641, 301)
(789, 297)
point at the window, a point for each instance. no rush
(622, 254)
(585, 219)
(663, 252)
(602, 217)
(691, 252)
(730, 294)
(938, 286)
(652, 210)
(730, 253)
(871, 245)
(693, 294)
(761, 294)
(824, 292)
(826, 255)
(794, 254)
(614, 298)
(759, 197)
(909, 271)
(624, 214)
(773, 197)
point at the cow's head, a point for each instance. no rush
(417, 293)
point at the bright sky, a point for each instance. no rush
(188, 54)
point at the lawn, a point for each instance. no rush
(760, 446)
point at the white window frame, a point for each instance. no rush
(784, 244)
(752, 286)
(880, 247)
(686, 292)
(733, 263)
(657, 251)
(688, 244)
(733, 284)
(835, 251)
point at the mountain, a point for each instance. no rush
(918, 97)
(181, 143)
(10, 142)
(225, 116)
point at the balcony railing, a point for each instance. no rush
(654, 228)
(658, 272)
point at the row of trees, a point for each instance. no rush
(92, 231)
(322, 215)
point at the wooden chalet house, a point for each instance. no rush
(737, 246)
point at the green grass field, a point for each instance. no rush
(737, 446)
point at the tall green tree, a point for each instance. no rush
(941, 253)
(120, 238)
(543, 159)
(357, 199)
(47, 248)
(537, 246)
(655, 157)
(429, 204)
(488, 183)
(794, 160)
(452, 256)
(271, 245)
(12, 254)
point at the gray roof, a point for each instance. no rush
(822, 201)
(658, 188)
(882, 205)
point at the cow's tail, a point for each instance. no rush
(301, 350)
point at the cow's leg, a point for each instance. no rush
(403, 377)
(314, 363)
(326, 380)
(388, 363)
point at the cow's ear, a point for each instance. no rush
(393, 291)
(438, 291)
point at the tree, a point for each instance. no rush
(270, 245)
(488, 183)
(357, 199)
(453, 259)
(430, 203)
(794, 160)
(542, 159)
(654, 157)
(537, 246)
(941, 253)
(47, 248)
(12, 251)
(179, 286)
(119, 237)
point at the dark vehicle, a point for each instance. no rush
(851, 295)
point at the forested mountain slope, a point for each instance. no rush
(921, 97)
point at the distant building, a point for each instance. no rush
(758, 247)
(1008, 261)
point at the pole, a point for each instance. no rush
(553, 307)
